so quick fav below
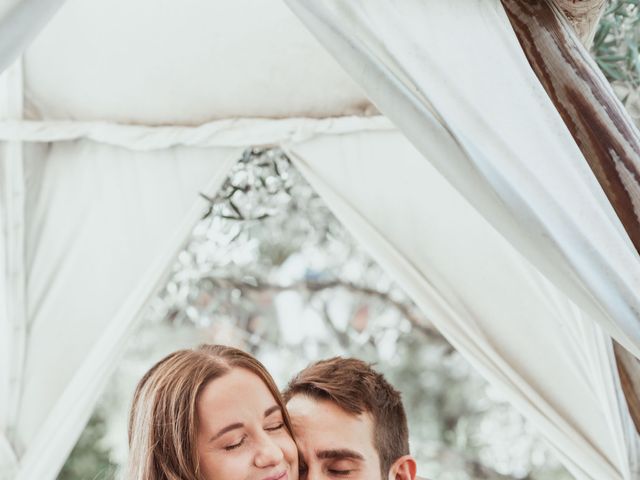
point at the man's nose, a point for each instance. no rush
(268, 453)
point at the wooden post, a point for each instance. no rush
(583, 15)
(600, 125)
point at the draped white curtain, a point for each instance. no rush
(137, 207)
(453, 78)
(12, 291)
(20, 22)
(102, 225)
(517, 329)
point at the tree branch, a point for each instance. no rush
(405, 310)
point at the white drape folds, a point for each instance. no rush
(102, 226)
(100, 223)
(453, 78)
(514, 326)
(12, 280)
(520, 332)
(20, 22)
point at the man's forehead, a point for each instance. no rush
(320, 424)
(304, 408)
(326, 433)
(302, 405)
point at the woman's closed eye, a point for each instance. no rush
(235, 445)
(274, 426)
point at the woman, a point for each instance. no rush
(212, 413)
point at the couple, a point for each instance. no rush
(215, 413)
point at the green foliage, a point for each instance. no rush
(89, 460)
(616, 47)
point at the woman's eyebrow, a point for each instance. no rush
(226, 429)
(234, 426)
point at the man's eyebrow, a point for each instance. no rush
(339, 453)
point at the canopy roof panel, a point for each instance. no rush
(160, 62)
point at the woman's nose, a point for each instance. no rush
(269, 453)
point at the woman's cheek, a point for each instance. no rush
(236, 466)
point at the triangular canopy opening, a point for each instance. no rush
(271, 270)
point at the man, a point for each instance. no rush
(349, 423)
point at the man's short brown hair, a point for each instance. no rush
(357, 388)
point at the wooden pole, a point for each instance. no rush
(600, 125)
(583, 16)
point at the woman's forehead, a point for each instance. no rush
(239, 395)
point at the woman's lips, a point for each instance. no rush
(278, 476)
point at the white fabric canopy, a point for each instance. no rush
(140, 62)
(103, 222)
(97, 226)
(493, 306)
(452, 77)
(12, 292)
(501, 314)
(106, 225)
(20, 22)
(93, 209)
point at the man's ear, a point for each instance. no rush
(403, 468)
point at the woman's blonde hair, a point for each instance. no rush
(163, 421)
